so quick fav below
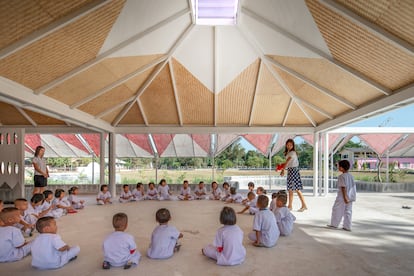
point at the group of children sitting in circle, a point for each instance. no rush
(49, 251)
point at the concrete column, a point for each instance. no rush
(326, 164)
(102, 159)
(111, 164)
(315, 163)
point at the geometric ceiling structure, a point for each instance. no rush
(140, 67)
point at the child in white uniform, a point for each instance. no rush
(346, 195)
(62, 204)
(152, 193)
(138, 193)
(74, 200)
(250, 204)
(104, 196)
(185, 193)
(26, 223)
(164, 238)
(284, 218)
(215, 191)
(250, 187)
(265, 231)
(48, 208)
(234, 196)
(49, 251)
(200, 192)
(126, 195)
(226, 191)
(119, 247)
(227, 247)
(13, 247)
(164, 191)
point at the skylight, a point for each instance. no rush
(215, 12)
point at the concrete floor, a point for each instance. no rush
(382, 241)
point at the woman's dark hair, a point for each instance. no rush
(228, 216)
(38, 148)
(36, 198)
(103, 186)
(286, 149)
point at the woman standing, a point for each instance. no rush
(41, 173)
(294, 183)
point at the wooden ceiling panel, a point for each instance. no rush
(23, 17)
(110, 117)
(107, 100)
(235, 100)
(296, 117)
(271, 100)
(332, 78)
(158, 100)
(60, 52)
(196, 100)
(394, 16)
(41, 119)
(122, 66)
(133, 116)
(362, 50)
(9, 115)
(135, 83)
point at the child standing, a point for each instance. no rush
(200, 192)
(234, 196)
(164, 191)
(13, 247)
(294, 183)
(152, 193)
(345, 197)
(227, 247)
(126, 195)
(284, 217)
(104, 196)
(119, 247)
(49, 251)
(138, 192)
(164, 238)
(215, 191)
(185, 193)
(226, 191)
(265, 231)
(74, 200)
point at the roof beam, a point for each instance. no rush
(287, 112)
(255, 93)
(177, 102)
(141, 108)
(373, 130)
(118, 82)
(53, 27)
(310, 82)
(372, 28)
(24, 114)
(212, 129)
(109, 52)
(401, 96)
(316, 51)
(21, 96)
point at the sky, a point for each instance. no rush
(401, 117)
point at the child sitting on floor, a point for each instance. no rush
(226, 191)
(284, 218)
(74, 200)
(48, 208)
(13, 247)
(250, 187)
(200, 192)
(234, 196)
(62, 204)
(164, 190)
(126, 195)
(104, 196)
(119, 247)
(250, 204)
(49, 251)
(215, 191)
(164, 238)
(185, 193)
(152, 193)
(265, 230)
(1, 208)
(138, 193)
(26, 223)
(227, 247)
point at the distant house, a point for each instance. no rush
(366, 158)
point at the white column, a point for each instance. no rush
(20, 161)
(315, 163)
(111, 164)
(387, 168)
(102, 159)
(326, 164)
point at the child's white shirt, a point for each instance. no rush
(103, 196)
(229, 240)
(10, 238)
(265, 222)
(163, 240)
(118, 248)
(137, 194)
(346, 180)
(164, 191)
(284, 219)
(45, 251)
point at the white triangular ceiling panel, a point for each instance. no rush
(235, 54)
(198, 151)
(196, 54)
(169, 151)
(292, 16)
(158, 41)
(183, 145)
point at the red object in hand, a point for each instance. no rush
(219, 249)
(132, 251)
(279, 167)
